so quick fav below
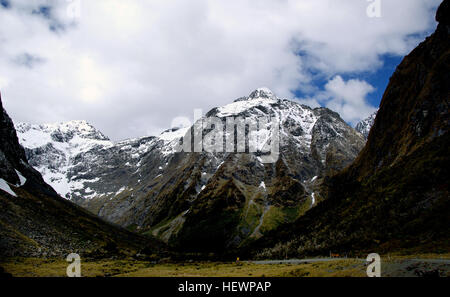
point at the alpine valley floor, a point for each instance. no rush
(426, 265)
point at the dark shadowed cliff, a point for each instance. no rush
(35, 221)
(395, 196)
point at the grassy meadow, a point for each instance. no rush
(391, 266)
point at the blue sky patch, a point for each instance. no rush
(5, 4)
(44, 11)
(378, 79)
(28, 60)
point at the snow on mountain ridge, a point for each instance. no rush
(51, 148)
(58, 150)
(262, 93)
(36, 135)
(365, 125)
(296, 121)
(239, 106)
(75, 158)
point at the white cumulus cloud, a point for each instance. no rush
(348, 98)
(130, 67)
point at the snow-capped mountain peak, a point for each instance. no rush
(52, 148)
(174, 133)
(262, 93)
(142, 181)
(365, 125)
(73, 131)
(260, 97)
(83, 128)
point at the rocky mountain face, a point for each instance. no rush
(35, 221)
(365, 125)
(206, 201)
(395, 196)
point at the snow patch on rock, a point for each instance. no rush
(22, 179)
(5, 187)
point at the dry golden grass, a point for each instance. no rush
(33, 267)
(334, 268)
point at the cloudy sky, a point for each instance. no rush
(130, 67)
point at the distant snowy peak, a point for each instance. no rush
(54, 149)
(74, 131)
(260, 93)
(260, 97)
(365, 125)
(300, 126)
(173, 134)
(66, 153)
